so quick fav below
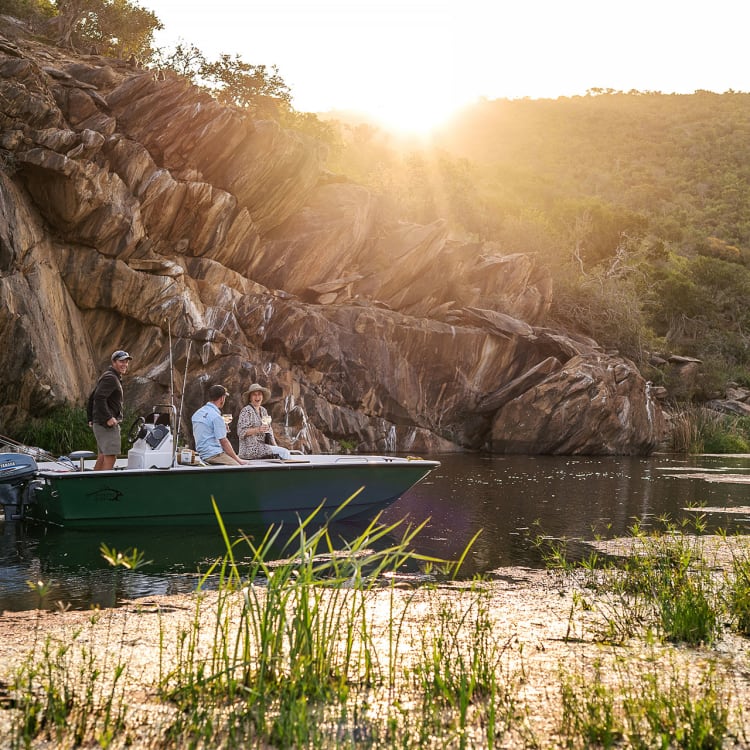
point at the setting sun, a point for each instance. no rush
(409, 64)
(410, 109)
(409, 118)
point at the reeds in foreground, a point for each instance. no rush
(334, 645)
(654, 588)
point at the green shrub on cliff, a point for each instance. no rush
(63, 430)
(27, 10)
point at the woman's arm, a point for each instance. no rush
(271, 439)
(248, 423)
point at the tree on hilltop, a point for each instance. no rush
(257, 88)
(117, 28)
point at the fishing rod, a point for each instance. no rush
(173, 409)
(171, 372)
(182, 394)
(23, 448)
(38, 453)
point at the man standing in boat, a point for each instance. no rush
(105, 410)
(210, 430)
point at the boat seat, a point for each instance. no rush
(81, 456)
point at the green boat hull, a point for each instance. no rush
(269, 492)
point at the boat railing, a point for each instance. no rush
(364, 459)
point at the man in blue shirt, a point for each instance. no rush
(210, 430)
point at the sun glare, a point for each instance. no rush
(412, 117)
(411, 63)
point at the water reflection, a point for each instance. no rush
(512, 499)
(70, 564)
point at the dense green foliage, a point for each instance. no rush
(64, 430)
(28, 10)
(117, 28)
(696, 429)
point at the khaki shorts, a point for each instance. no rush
(221, 458)
(108, 439)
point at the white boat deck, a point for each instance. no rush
(64, 466)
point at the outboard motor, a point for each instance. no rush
(17, 470)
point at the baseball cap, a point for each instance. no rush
(120, 355)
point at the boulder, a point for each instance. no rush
(594, 405)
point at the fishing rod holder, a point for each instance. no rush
(165, 414)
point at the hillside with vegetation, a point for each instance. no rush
(637, 202)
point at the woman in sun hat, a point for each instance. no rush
(254, 427)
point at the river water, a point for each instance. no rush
(513, 500)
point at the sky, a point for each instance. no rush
(412, 63)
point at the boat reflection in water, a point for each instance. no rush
(70, 564)
(510, 499)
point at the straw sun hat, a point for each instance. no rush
(256, 387)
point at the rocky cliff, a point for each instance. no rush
(137, 213)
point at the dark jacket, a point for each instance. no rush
(105, 400)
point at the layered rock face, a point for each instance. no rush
(137, 213)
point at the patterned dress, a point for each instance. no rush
(253, 446)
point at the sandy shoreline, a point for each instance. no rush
(538, 624)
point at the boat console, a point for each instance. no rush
(153, 448)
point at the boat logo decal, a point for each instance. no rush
(106, 495)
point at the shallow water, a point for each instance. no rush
(511, 499)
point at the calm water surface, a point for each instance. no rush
(512, 499)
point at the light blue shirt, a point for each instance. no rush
(208, 429)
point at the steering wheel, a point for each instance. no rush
(135, 429)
